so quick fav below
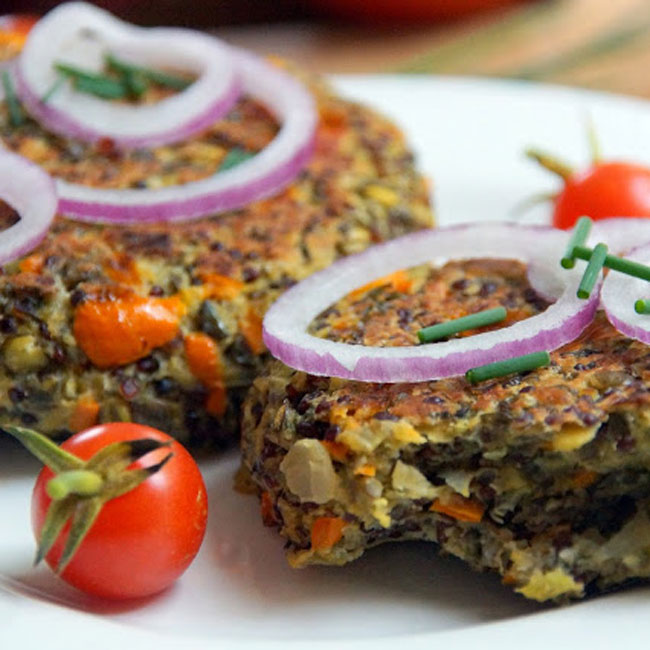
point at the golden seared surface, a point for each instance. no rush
(193, 293)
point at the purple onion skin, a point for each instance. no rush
(405, 370)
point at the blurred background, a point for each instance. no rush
(599, 44)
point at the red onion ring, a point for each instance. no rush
(286, 322)
(618, 295)
(29, 191)
(63, 35)
(621, 234)
(262, 175)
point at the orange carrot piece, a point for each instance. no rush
(221, 287)
(337, 450)
(203, 358)
(267, 510)
(399, 281)
(326, 532)
(216, 402)
(251, 328)
(365, 470)
(460, 508)
(32, 264)
(85, 414)
(123, 270)
(120, 331)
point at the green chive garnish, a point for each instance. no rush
(509, 366)
(233, 158)
(594, 267)
(635, 269)
(470, 322)
(642, 306)
(161, 78)
(93, 83)
(135, 83)
(80, 73)
(578, 238)
(16, 115)
(53, 89)
(104, 88)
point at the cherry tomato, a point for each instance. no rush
(405, 10)
(142, 541)
(606, 189)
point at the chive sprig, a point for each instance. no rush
(642, 306)
(578, 238)
(16, 115)
(596, 259)
(175, 82)
(234, 157)
(629, 267)
(470, 322)
(593, 270)
(497, 369)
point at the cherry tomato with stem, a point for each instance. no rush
(120, 509)
(604, 189)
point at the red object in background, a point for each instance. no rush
(607, 189)
(14, 28)
(404, 11)
(185, 13)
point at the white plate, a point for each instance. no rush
(469, 136)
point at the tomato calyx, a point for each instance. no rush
(80, 489)
(553, 164)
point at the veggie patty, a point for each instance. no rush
(541, 476)
(161, 324)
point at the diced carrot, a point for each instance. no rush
(203, 358)
(365, 470)
(584, 478)
(120, 331)
(85, 414)
(399, 281)
(123, 270)
(251, 328)
(267, 510)
(326, 532)
(32, 264)
(337, 450)
(333, 117)
(221, 287)
(460, 508)
(216, 402)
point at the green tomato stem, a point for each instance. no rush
(47, 451)
(80, 482)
